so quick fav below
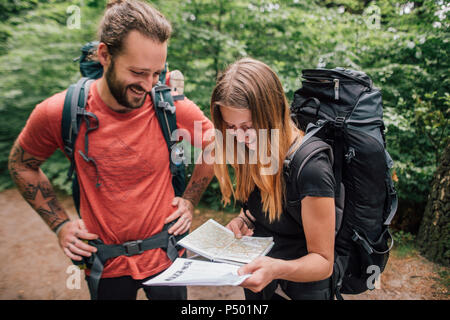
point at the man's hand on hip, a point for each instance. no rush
(185, 212)
(71, 237)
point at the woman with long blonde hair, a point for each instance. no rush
(254, 136)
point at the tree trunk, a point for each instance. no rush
(434, 233)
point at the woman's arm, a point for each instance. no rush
(318, 218)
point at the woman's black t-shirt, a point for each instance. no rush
(315, 180)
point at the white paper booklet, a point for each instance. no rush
(198, 273)
(217, 243)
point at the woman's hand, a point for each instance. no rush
(263, 270)
(240, 227)
(71, 237)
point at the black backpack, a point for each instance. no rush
(341, 111)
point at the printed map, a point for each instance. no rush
(218, 243)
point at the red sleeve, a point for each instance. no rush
(41, 135)
(192, 119)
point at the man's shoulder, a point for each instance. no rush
(53, 106)
(42, 132)
(56, 100)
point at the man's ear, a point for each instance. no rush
(104, 57)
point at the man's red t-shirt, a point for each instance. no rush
(135, 193)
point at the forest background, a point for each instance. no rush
(402, 45)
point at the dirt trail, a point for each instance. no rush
(32, 266)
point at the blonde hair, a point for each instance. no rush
(252, 85)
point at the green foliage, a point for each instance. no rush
(56, 168)
(38, 64)
(444, 277)
(403, 243)
(404, 49)
(13, 7)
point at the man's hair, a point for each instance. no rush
(123, 16)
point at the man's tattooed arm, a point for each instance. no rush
(201, 177)
(35, 187)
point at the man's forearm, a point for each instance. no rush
(35, 187)
(201, 177)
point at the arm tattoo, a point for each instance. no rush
(195, 190)
(19, 156)
(35, 187)
(31, 190)
(50, 212)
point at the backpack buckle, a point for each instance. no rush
(133, 247)
(350, 155)
(166, 106)
(177, 154)
(339, 122)
(321, 122)
(69, 151)
(287, 170)
(362, 242)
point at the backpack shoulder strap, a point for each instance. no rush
(166, 114)
(74, 103)
(75, 100)
(165, 111)
(295, 163)
(293, 166)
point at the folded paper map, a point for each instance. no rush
(198, 273)
(217, 243)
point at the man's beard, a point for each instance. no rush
(119, 90)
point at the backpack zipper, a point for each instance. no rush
(336, 89)
(312, 73)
